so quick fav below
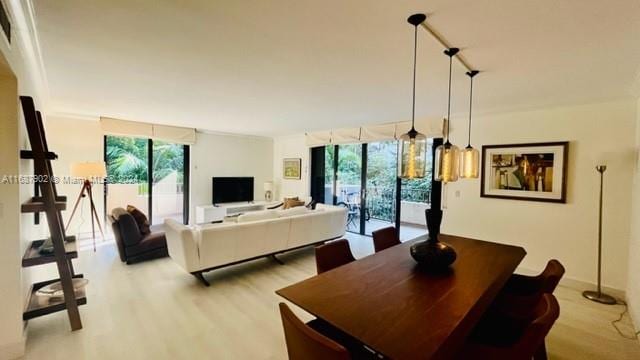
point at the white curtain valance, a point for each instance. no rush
(432, 128)
(373, 133)
(175, 134)
(112, 126)
(345, 136)
(318, 138)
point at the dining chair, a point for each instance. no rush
(303, 342)
(385, 238)
(333, 254)
(511, 338)
(522, 292)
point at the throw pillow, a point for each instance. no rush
(141, 219)
(292, 202)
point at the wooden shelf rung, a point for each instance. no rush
(28, 154)
(33, 258)
(32, 206)
(40, 305)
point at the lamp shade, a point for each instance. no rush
(413, 155)
(89, 170)
(470, 163)
(447, 163)
(268, 186)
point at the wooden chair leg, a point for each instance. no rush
(541, 353)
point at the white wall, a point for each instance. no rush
(633, 283)
(76, 140)
(10, 274)
(228, 155)
(16, 230)
(293, 146)
(567, 232)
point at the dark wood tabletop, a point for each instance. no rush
(385, 301)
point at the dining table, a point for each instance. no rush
(391, 304)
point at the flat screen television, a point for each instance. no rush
(232, 189)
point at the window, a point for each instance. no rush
(151, 175)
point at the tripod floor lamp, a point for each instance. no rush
(89, 172)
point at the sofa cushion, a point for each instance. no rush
(258, 215)
(298, 210)
(292, 202)
(148, 243)
(141, 219)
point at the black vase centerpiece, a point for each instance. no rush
(431, 254)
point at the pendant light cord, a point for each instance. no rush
(449, 101)
(415, 56)
(470, 107)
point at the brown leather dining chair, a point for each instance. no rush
(303, 342)
(385, 238)
(522, 292)
(512, 339)
(333, 254)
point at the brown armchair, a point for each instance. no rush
(133, 246)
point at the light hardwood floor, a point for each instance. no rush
(155, 310)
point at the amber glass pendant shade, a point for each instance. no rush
(413, 155)
(469, 163)
(448, 163)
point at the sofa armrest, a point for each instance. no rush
(182, 243)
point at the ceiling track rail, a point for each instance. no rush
(440, 39)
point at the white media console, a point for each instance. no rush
(217, 213)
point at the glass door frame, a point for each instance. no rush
(186, 180)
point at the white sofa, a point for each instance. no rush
(202, 248)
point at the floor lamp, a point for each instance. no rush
(598, 295)
(88, 171)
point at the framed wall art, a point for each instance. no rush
(292, 169)
(534, 172)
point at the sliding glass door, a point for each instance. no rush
(349, 183)
(151, 175)
(127, 173)
(167, 192)
(380, 189)
(363, 178)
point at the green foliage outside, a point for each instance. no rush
(127, 161)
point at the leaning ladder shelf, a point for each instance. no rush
(64, 247)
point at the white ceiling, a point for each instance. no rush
(286, 66)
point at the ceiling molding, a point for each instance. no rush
(73, 116)
(221, 133)
(23, 15)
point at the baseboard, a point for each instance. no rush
(581, 285)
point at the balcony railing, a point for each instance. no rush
(380, 199)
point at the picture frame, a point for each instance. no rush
(530, 171)
(292, 168)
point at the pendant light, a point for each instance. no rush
(413, 144)
(470, 157)
(447, 154)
